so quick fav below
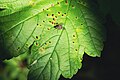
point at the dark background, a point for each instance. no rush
(107, 67)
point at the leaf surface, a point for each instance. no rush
(55, 32)
(19, 30)
(60, 50)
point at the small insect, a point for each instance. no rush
(58, 26)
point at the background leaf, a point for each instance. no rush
(15, 68)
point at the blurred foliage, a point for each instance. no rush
(14, 69)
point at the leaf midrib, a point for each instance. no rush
(56, 46)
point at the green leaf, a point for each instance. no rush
(11, 6)
(71, 28)
(19, 30)
(55, 32)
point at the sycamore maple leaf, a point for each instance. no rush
(55, 32)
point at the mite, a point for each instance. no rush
(58, 26)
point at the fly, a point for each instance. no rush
(58, 26)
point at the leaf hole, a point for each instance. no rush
(36, 44)
(54, 19)
(52, 22)
(66, 1)
(57, 23)
(73, 42)
(36, 37)
(73, 6)
(48, 28)
(37, 24)
(76, 49)
(18, 48)
(47, 14)
(55, 16)
(50, 42)
(76, 17)
(52, 14)
(45, 43)
(58, 2)
(81, 24)
(73, 35)
(58, 12)
(62, 14)
(43, 21)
